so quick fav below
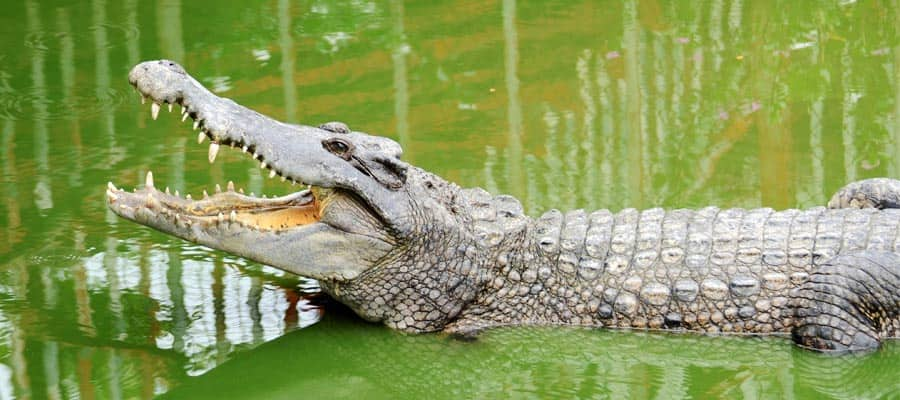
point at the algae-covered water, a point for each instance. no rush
(564, 104)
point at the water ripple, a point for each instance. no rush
(49, 41)
(32, 104)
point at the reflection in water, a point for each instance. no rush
(513, 170)
(607, 133)
(67, 76)
(665, 115)
(85, 323)
(851, 98)
(6, 384)
(635, 132)
(200, 336)
(6, 373)
(813, 190)
(895, 126)
(286, 42)
(238, 321)
(401, 87)
(132, 45)
(635, 104)
(110, 261)
(169, 34)
(43, 193)
(553, 157)
(251, 316)
(272, 306)
(12, 233)
(158, 264)
(552, 363)
(586, 92)
(102, 73)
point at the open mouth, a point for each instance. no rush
(273, 214)
(228, 205)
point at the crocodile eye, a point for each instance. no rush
(338, 147)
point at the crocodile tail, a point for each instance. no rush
(850, 304)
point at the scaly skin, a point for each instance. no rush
(403, 247)
(709, 270)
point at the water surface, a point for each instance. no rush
(564, 104)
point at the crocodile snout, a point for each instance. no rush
(161, 80)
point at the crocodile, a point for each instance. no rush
(401, 246)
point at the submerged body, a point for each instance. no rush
(404, 247)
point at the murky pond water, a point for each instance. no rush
(564, 104)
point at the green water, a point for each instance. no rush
(563, 104)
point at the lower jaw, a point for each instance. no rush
(234, 208)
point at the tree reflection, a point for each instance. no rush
(679, 109)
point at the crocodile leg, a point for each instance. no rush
(876, 192)
(850, 304)
(861, 309)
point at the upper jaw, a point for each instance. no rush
(296, 153)
(218, 119)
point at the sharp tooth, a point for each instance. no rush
(218, 188)
(262, 165)
(244, 149)
(252, 194)
(283, 178)
(188, 196)
(184, 116)
(221, 217)
(183, 109)
(232, 216)
(177, 194)
(111, 195)
(255, 156)
(170, 107)
(230, 186)
(213, 150)
(143, 99)
(201, 137)
(205, 195)
(154, 110)
(241, 190)
(110, 186)
(196, 124)
(167, 190)
(272, 173)
(149, 181)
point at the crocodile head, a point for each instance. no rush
(382, 236)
